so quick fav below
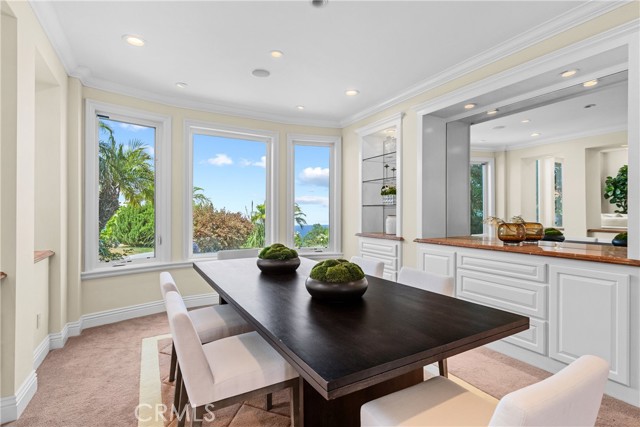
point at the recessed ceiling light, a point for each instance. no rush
(469, 106)
(535, 134)
(276, 54)
(525, 121)
(589, 105)
(590, 83)
(351, 92)
(181, 85)
(259, 72)
(499, 127)
(300, 107)
(390, 131)
(319, 3)
(568, 73)
(483, 140)
(492, 112)
(133, 40)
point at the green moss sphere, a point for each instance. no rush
(336, 271)
(552, 232)
(277, 251)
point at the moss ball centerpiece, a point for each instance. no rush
(336, 280)
(278, 259)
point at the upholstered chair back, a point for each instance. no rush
(428, 281)
(369, 266)
(196, 372)
(571, 397)
(167, 284)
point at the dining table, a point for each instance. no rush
(348, 353)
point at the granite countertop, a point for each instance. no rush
(40, 255)
(380, 236)
(580, 251)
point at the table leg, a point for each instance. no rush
(345, 410)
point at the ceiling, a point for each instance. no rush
(384, 49)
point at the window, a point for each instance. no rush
(313, 196)
(481, 189)
(549, 186)
(127, 187)
(232, 190)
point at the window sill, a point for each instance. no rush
(112, 271)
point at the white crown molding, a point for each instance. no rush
(11, 407)
(45, 13)
(545, 141)
(553, 27)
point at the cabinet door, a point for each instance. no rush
(436, 261)
(589, 314)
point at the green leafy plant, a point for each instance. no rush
(277, 251)
(616, 189)
(217, 229)
(336, 271)
(317, 237)
(388, 190)
(132, 225)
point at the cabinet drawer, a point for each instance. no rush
(389, 263)
(376, 248)
(388, 275)
(534, 338)
(519, 269)
(517, 296)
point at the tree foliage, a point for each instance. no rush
(258, 218)
(131, 225)
(477, 199)
(317, 237)
(217, 229)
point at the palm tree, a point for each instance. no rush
(299, 216)
(124, 170)
(199, 199)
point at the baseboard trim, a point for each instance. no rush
(11, 407)
(41, 352)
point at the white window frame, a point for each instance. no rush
(546, 191)
(489, 185)
(162, 158)
(270, 138)
(335, 187)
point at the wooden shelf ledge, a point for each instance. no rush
(40, 255)
(2, 275)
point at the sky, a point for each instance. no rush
(232, 171)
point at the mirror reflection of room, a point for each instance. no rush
(552, 161)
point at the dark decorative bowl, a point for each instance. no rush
(278, 266)
(553, 238)
(336, 291)
(619, 241)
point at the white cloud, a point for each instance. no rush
(315, 176)
(220, 160)
(262, 163)
(132, 128)
(312, 200)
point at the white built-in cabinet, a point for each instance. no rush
(380, 175)
(575, 307)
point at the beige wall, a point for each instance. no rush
(33, 80)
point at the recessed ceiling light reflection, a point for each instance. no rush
(133, 40)
(351, 92)
(276, 54)
(568, 73)
(535, 134)
(590, 83)
(300, 107)
(259, 72)
(525, 121)
(492, 112)
(181, 85)
(469, 106)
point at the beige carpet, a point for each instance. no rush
(95, 381)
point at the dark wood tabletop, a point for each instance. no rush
(340, 348)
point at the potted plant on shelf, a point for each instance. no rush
(620, 239)
(336, 280)
(278, 259)
(388, 193)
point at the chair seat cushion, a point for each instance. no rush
(243, 363)
(218, 321)
(435, 402)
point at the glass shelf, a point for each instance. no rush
(389, 158)
(379, 205)
(380, 180)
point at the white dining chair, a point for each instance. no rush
(238, 253)
(369, 266)
(571, 397)
(211, 323)
(226, 371)
(429, 282)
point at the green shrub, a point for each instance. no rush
(132, 226)
(277, 251)
(336, 271)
